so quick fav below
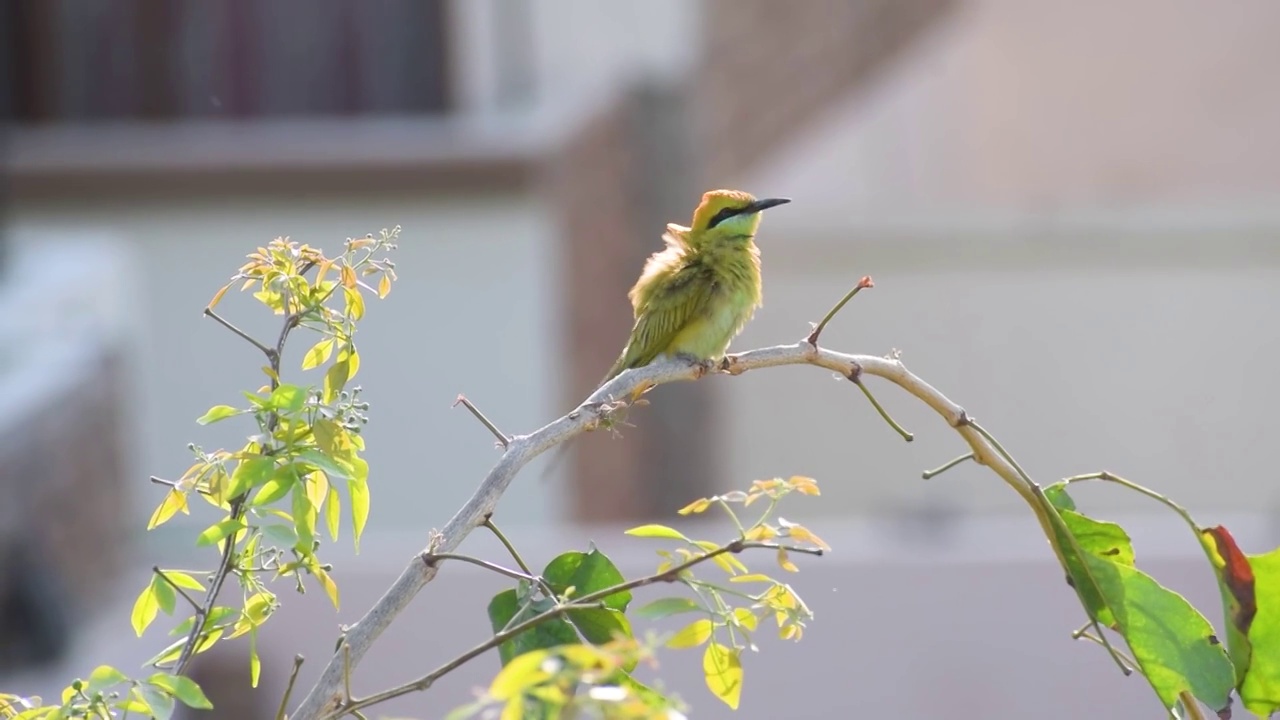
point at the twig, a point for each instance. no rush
(491, 527)
(1127, 664)
(503, 440)
(288, 689)
(243, 335)
(515, 574)
(865, 282)
(325, 696)
(195, 605)
(173, 484)
(855, 376)
(930, 474)
(237, 503)
(589, 600)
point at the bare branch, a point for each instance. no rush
(326, 696)
(503, 440)
(243, 335)
(865, 282)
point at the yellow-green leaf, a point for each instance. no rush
(318, 354)
(174, 501)
(745, 618)
(355, 303)
(695, 507)
(523, 672)
(359, 492)
(255, 662)
(692, 635)
(384, 286)
(218, 531)
(785, 563)
(330, 587)
(183, 688)
(333, 513)
(656, 531)
(216, 413)
(722, 667)
(183, 580)
(144, 609)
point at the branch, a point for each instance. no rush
(350, 705)
(503, 440)
(326, 695)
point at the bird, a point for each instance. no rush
(697, 294)
(694, 296)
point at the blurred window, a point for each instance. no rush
(71, 61)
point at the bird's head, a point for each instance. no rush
(731, 212)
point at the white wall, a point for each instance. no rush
(471, 314)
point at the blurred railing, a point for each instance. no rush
(86, 60)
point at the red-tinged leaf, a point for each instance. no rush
(1250, 588)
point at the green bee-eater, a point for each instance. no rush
(695, 296)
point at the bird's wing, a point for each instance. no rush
(666, 311)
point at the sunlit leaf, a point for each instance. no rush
(332, 513)
(318, 354)
(103, 677)
(1250, 586)
(722, 667)
(665, 607)
(330, 587)
(588, 573)
(358, 490)
(384, 286)
(656, 531)
(695, 507)
(692, 635)
(145, 609)
(250, 473)
(785, 563)
(218, 531)
(216, 413)
(183, 688)
(174, 501)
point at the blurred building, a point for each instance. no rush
(1069, 211)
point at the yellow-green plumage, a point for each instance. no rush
(695, 296)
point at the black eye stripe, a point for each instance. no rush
(723, 215)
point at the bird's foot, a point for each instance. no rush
(701, 366)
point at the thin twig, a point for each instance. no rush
(488, 524)
(930, 474)
(173, 484)
(503, 439)
(325, 696)
(243, 335)
(195, 605)
(1127, 664)
(586, 601)
(514, 574)
(856, 377)
(865, 282)
(288, 689)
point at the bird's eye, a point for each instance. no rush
(724, 214)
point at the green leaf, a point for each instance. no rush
(145, 609)
(335, 379)
(722, 667)
(333, 513)
(277, 487)
(359, 491)
(328, 464)
(251, 473)
(287, 399)
(1101, 535)
(183, 580)
(666, 607)
(161, 702)
(657, 531)
(1174, 644)
(1058, 497)
(318, 354)
(600, 625)
(503, 610)
(587, 573)
(103, 677)
(183, 688)
(284, 535)
(692, 635)
(216, 413)
(166, 597)
(216, 532)
(304, 519)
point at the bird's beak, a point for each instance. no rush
(767, 203)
